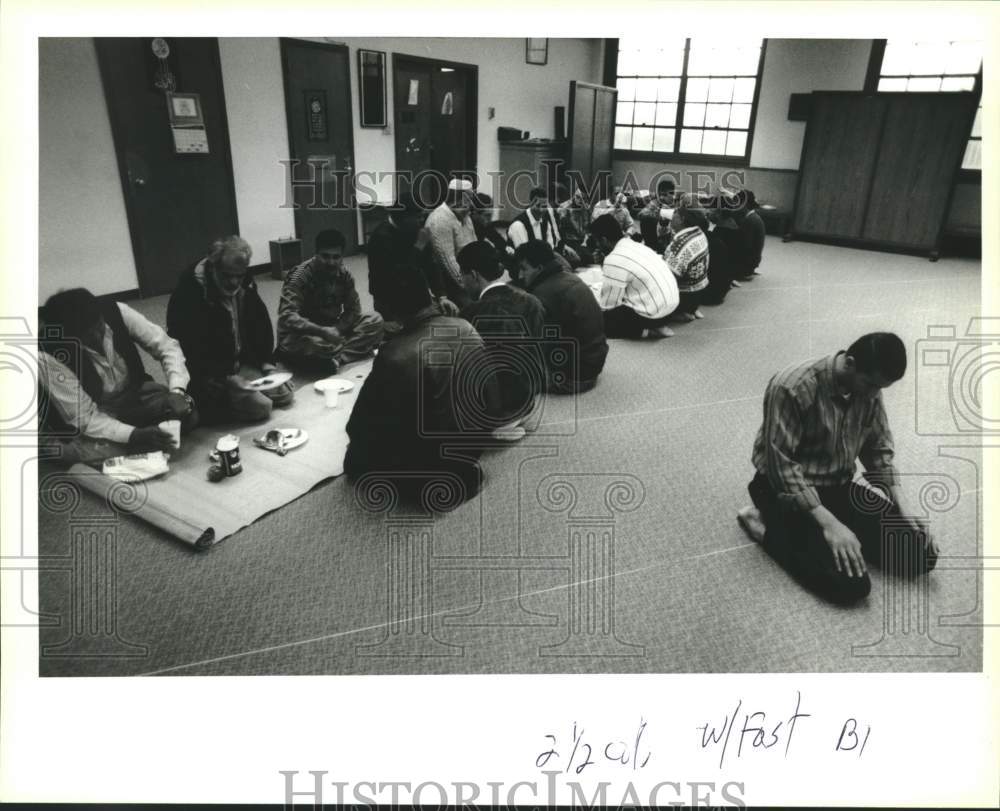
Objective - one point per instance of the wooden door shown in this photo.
(838, 161)
(412, 114)
(923, 141)
(320, 139)
(591, 133)
(435, 114)
(176, 204)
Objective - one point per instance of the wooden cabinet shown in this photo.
(523, 165)
(878, 170)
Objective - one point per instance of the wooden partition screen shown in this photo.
(879, 170)
(591, 129)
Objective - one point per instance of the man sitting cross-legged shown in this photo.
(224, 328)
(639, 291)
(320, 324)
(97, 389)
(510, 322)
(574, 358)
(421, 415)
(810, 515)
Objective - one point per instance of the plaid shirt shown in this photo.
(812, 435)
(312, 294)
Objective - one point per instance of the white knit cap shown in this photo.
(460, 184)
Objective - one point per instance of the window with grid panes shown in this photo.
(939, 66)
(686, 96)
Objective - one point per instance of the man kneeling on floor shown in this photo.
(810, 516)
(225, 331)
(98, 390)
(320, 325)
(418, 421)
(510, 322)
(639, 292)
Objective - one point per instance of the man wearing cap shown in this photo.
(398, 249)
(510, 322)
(639, 291)
(320, 324)
(450, 228)
(538, 222)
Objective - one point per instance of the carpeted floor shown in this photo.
(642, 476)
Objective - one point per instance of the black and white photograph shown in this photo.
(580, 383)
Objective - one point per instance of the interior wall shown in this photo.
(523, 96)
(258, 139)
(83, 236)
(800, 66)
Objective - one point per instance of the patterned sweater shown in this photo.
(687, 258)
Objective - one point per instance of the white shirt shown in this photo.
(75, 406)
(637, 277)
(448, 236)
(517, 234)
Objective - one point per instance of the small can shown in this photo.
(229, 454)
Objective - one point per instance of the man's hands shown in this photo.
(447, 306)
(844, 544)
(423, 239)
(179, 404)
(904, 510)
(332, 335)
(570, 255)
(150, 438)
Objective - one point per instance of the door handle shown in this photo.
(139, 181)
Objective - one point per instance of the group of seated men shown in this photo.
(513, 292)
(472, 330)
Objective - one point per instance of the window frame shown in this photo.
(704, 158)
(871, 86)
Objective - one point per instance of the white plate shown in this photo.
(339, 383)
(294, 437)
(268, 382)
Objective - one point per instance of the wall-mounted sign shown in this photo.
(190, 140)
(184, 110)
(316, 121)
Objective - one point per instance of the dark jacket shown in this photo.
(418, 399)
(488, 232)
(752, 231)
(571, 307)
(71, 355)
(724, 245)
(200, 322)
(391, 253)
(510, 322)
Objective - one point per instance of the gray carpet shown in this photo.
(306, 590)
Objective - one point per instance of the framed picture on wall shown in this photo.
(536, 51)
(372, 96)
(185, 109)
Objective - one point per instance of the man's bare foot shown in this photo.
(659, 332)
(699, 314)
(753, 525)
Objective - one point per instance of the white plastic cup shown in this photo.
(172, 427)
(330, 395)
